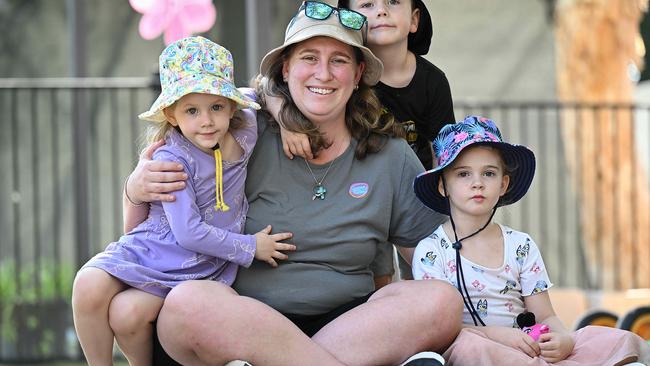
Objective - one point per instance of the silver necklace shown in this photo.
(319, 190)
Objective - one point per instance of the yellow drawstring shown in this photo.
(220, 205)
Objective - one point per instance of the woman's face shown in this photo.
(322, 73)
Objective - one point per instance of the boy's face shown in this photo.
(475, 181)
(389, 21)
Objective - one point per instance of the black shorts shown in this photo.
(309, 324)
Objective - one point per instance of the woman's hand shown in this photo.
(555, 347)
(513, 337)
(295, 144)
(269, 246)
(154, 180)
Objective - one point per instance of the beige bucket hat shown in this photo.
(302, 28)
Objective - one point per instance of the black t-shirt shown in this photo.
(422, 107)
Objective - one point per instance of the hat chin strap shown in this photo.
(457, 245)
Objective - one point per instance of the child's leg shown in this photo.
(92, 293)
(131, 315)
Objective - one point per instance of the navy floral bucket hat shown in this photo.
(452, 139)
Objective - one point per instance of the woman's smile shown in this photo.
(321, 91)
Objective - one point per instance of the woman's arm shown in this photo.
(406, 253)
(150, 181)
(133, 212)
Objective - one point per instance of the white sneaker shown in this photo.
(424, 359)
(238, 363)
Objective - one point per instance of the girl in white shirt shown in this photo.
(499, 271)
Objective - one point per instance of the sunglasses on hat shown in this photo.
(321, 11)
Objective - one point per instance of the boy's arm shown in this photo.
(292, 143)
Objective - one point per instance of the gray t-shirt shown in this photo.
(368, 202)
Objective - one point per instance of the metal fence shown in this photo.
(68, 144)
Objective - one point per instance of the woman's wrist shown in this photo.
(126, 193)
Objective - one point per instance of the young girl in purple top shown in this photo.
(120, 291)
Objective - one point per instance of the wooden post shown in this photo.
(597, 41)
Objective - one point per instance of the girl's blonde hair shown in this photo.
(157, 131)
(365, 119)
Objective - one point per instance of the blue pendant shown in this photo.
(319, 192)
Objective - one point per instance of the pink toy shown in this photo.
(536, 330)
(526, 322)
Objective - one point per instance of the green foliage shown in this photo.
(54, 282)
(21, 287)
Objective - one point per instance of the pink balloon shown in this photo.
(175, 31)
(198, 18)
(176, 18)
(141, 6)
(153, 24)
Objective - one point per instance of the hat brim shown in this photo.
(372, 71)
(196, 84)
(426, 184)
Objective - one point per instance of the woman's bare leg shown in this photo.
(398, 321)
(92, 292)
(131, 316)
(208, 323)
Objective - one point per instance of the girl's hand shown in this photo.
(153, 180)
(295, 144)
(269, 246)
(515, 338)
(555, 347)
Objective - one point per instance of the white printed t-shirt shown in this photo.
(497, 293)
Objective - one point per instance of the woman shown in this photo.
(319, 306)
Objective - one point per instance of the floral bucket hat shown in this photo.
(195, 65)
(449, 143)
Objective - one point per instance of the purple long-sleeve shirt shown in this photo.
(188, 238)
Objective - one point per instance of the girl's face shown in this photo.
(203, 118)
(475, 181)
(389, 21)
(322, 73)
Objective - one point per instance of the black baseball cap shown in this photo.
(420, 41)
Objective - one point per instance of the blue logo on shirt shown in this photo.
(359, 190)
